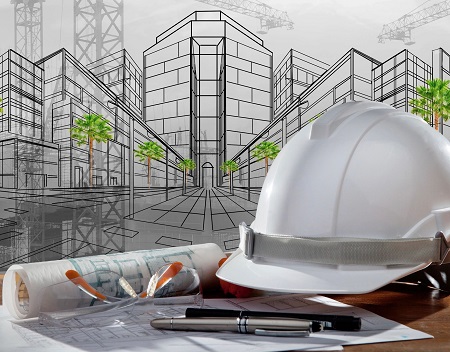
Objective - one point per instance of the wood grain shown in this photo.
(418, 307)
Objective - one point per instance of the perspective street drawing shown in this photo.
(102, 151)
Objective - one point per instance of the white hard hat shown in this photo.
(356, 199)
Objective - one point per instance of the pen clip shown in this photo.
(282, 333)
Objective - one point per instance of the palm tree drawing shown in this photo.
(229, 167)
(264, 151)
(89, 129)
(186, 165)
(146, 152)
(433, 99)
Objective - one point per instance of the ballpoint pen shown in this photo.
(329, 321)
(244, 325)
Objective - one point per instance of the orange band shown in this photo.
(172, 270)
(75, 277)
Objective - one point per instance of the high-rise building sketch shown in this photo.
(207, 89)
(217, 80)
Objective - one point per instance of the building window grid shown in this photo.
(395, 80)
(155, 67)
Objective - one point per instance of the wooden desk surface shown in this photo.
(419, 308)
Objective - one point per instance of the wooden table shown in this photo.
(420, 308)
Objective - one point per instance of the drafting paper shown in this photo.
(140, 264)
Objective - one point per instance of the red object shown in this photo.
(232, 289)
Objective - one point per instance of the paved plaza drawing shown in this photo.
(207, 90)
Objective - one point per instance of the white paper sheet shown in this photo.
(139, 336)
(30, 336)
(374, 328)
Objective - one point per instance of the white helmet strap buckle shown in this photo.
(344, 251)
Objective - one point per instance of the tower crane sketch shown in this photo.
(267, 15)
(28, 33)
(401, 28)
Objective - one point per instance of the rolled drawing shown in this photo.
(26, 286)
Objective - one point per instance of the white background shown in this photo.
(324, 29)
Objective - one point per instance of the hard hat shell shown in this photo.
(362, 170)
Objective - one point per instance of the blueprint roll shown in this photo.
(29, 287)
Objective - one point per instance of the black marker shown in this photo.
(329, 322)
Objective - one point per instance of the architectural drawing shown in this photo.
(208, 89)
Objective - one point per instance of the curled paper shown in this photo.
(27, 287)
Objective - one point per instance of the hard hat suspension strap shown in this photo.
(344, 251)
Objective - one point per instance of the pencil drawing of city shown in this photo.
(108, 149)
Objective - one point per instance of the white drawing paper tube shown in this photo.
(26, 286)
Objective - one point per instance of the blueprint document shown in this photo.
(138, 335)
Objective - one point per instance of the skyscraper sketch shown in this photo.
(206, 88)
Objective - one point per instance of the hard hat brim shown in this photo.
(309, 278)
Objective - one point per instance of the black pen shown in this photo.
(286, 327)
(329, 322)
